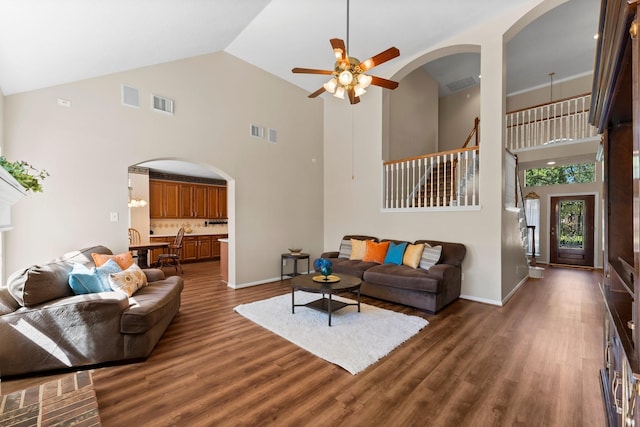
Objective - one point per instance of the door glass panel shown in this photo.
(571, 218)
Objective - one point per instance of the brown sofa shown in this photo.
(44, 326)
(429, 290)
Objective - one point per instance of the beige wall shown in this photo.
(413, 116)
(542, 95)
(274, 189)
(353, 172)
(457, 113)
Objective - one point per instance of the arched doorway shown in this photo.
(209, 190)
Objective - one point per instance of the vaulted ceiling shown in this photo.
(45, 43)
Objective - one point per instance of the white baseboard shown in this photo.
(482, 300)
(514, 290)
(261, 282)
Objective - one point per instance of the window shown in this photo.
(532, 213)
(567, 174)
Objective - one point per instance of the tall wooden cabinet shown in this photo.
(172, 199)
(615, 111)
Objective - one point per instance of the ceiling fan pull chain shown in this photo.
(348, 28)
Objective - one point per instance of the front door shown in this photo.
(571, 232)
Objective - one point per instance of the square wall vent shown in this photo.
(130, 96)
(273, 136)
(162, 104)
(461, 84)
(256, 131)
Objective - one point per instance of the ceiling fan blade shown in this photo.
(387, 84)
(380, 58)
(353, 99)
(339, 44)
(310, 71)
(318, 92)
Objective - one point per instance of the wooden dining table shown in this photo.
(143, 250)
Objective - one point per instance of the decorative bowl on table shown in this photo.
(295, 251)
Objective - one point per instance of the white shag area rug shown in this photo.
(353, 341)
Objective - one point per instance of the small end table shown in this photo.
(295, 258)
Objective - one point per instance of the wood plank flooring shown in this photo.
(533, 362)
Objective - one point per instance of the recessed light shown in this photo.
(596, 36)
(551, 163)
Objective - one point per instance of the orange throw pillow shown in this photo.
(124, 260)
(376, 252)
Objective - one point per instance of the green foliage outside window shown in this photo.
(567, 174)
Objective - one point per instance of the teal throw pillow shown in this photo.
(85, 280)
(395, 253)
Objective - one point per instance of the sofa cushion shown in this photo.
(452, 253)
(41, 283)
(430, 256)
(150, 305)
(128, 281)
(124, 259)
(84, 280)
(413, 255)
(403, 277)
(376, 251)
(395, 253)
(8, 304)
(358, 249)
(351, 267)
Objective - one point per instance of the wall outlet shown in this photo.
(114, 216)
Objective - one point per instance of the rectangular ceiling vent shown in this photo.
(461, 84)
(162, 104)
(256, 131)
(130, 96)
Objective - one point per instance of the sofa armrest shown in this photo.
(331, 254)
(154, 274)
(447, 272)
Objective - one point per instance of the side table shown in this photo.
(295, 258)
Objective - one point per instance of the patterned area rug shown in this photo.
(68, 401)
(354, 340)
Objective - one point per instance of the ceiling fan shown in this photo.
(348, 72)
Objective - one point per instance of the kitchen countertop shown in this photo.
(189, 234)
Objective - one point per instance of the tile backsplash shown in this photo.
(168, 227)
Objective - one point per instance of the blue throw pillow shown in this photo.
(395, 253)
(86, 281)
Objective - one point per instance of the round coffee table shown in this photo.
(306, 283)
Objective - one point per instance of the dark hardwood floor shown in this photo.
(533, 362)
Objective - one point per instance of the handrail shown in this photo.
(426, 156)
(476, 122)
(548, 103)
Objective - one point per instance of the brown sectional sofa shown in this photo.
(44, 326)
(430, 290)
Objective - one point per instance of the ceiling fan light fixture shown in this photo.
(331, 85)
(359, 90)
(339, 92)
(338, 53)
(364, 80)
(345, 78)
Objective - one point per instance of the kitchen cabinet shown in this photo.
(216, 201)
(194, 248)
(164, 199)
(189, 249)
(193, 201)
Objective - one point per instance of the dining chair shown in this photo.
(134, 239)
(173, 253)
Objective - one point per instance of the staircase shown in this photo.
(437, 188)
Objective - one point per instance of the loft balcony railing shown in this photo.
(566, 120)
(439, 180)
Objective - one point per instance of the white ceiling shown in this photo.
(45, 43)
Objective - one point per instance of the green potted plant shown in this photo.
(26, 174)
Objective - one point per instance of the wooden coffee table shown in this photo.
(306, 283)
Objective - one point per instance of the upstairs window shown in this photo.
(566, 174)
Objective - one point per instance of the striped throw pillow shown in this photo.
(345, 249)
(430, 256)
